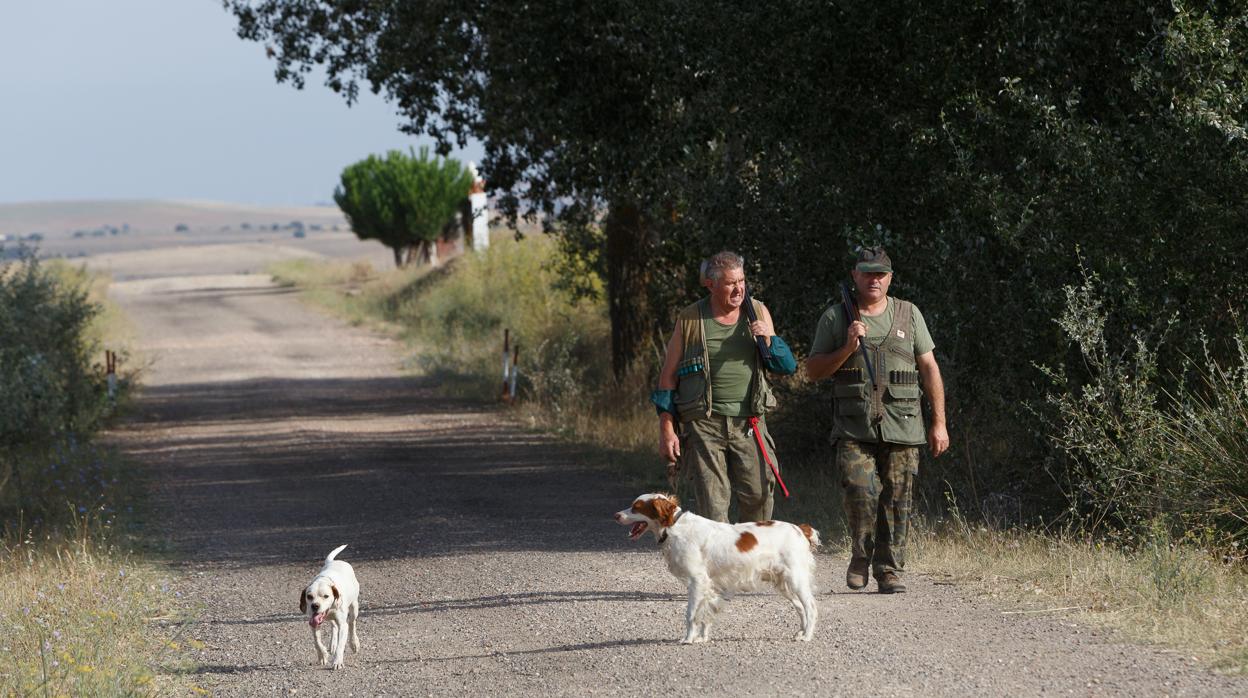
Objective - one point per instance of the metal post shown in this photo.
(506, 362)
(515, 371)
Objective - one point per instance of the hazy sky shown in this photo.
(107, 99)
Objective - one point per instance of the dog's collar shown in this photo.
(663, 537)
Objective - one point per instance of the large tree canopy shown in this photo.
(994, 147)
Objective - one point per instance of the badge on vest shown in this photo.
(901, 334)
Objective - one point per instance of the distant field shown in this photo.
(103, 229)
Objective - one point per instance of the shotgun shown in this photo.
(764, 352)
(851, 315)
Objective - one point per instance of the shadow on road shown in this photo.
(271, 471)
(536, 598)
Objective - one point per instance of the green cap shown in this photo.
(873, 259)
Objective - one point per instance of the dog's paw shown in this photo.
(324, 660)
(338, 664)
(355, 644)
(801, 636)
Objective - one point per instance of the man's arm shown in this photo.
(822, 365)
(934, 388)
(669, 443)
(782, 360)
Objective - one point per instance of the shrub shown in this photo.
(1146, 448)
(52, 395)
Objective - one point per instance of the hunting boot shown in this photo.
(890, 583)
(856, 575)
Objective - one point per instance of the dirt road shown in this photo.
(486, 556)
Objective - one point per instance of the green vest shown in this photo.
(693, 373)
(892, 403)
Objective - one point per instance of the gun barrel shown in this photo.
(764, 351)
(851, 314)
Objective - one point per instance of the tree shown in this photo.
(403, 200)
(990, 145)
(577, 105)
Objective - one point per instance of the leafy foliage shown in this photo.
(50, 390)
(989, 146)
(402, 200)
(1140, 457)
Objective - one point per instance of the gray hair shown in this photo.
(720, 262)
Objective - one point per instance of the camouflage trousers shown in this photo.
(877, 482)
(720, 457)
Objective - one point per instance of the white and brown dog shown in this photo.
(333, 595)
(715, 559)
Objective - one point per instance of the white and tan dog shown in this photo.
(715, 559)
(333, 595)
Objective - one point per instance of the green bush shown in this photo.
(1146, 448)
(53, 396)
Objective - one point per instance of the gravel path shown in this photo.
(486, 556)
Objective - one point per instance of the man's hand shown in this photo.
(853, 336)
(762, 327)
(938, 439)
(669, 444)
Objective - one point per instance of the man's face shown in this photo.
(728, 291)
(872, 285)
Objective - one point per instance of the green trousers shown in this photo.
(720, 457)
(877, 482)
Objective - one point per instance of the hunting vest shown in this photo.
(892, 404)
(693, 373)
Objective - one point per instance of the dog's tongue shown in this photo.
(637, 529)
(316, 620)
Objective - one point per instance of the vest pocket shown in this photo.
(849, 399)
(904, 398)
(690, 393)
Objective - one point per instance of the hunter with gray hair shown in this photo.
(713, 393)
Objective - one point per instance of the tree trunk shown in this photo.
(398, 256)
(629, 244)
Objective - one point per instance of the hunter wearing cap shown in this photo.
(877, 422)
(712, 387)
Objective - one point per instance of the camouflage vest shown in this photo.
(892, 403)
(693, 373)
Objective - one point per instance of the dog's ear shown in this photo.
(337, 596)
(666, 508)
(303, 600)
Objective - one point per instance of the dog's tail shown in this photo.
(811, 535)
(330, 557)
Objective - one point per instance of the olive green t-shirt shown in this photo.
(730, 349)
(830, 334)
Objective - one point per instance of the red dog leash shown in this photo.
(758, 436)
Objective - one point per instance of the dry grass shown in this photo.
(81, 619)
(1162, 592)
